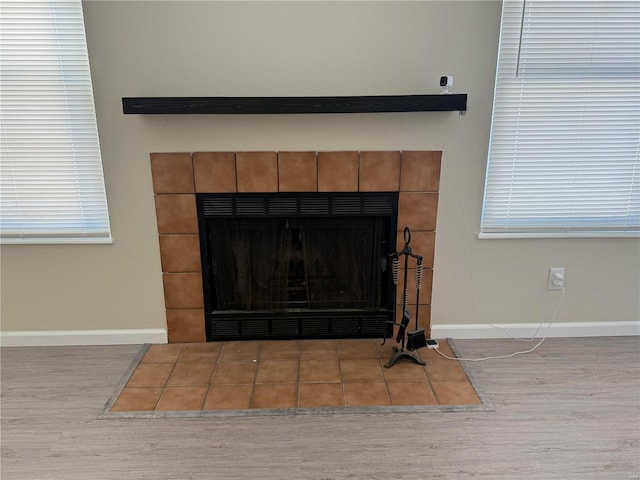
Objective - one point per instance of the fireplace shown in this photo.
(292, 189)
(308, 265)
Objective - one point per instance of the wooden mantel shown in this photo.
(293, 105)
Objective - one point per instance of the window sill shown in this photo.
(514, 235)
(56, 241)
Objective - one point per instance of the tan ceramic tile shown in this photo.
(424, 319)
(366, 348)
(315, 395)
(386, 351)
(162, 353)
(183, 290)
(443, 370)
(443, 348)
(402, 361)
(180, 253)
(201, 352)
(455, 393)
(364, 370)
(277, 371)
(203, 347)
(379, 171)
(182, 398)
(425, 289)
(234, 373)
(422, 243)
(172, 173)
(238, 351)
(404, 372)
(283, 395)
(319, 371)
(411, 394)
(418, 211)
(365, 394)
(337, 171)
(215, 172)
(318, 349)
(137, 399)
(176, 214)
(185, 325)
(228, 397)
(257, 171)
(391, 341)
(191, 374)
(420, 171)
(424, 315)
(279, 350)
(150, 375)
(297, 172)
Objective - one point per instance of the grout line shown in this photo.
(204, 399)
(235, 169)
(400, 170)
(358, 169)
(298, 352)
(255, 375)
(193, 172)
(213, 373)
(384, 379)
(278, 171)
(166, 382)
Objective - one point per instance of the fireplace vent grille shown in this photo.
(218, 206)
(294, 205)
(377, 206)
(282, 206)
(336, 326)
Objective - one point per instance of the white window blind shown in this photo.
(51, 180)
(565, 134)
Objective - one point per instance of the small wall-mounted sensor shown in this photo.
(446, 82)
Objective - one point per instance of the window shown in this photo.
(565, 134)
(51, 182)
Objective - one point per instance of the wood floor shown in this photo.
(569, 410)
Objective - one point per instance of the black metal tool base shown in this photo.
(402, 354)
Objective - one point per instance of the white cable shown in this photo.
(553, 317)
(493, 358)
(535, 334)
(466, 254)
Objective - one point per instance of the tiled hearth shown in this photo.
(177, 177)
(290, 374)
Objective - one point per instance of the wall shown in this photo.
(175, 48)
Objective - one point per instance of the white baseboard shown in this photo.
(526, 330)
(461, 331)
(82, 337)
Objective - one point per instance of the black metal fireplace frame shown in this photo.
(343, 323)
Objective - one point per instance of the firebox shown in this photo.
(297, 265)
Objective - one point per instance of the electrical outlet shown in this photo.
(556, 278)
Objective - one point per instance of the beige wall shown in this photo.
(174, 48)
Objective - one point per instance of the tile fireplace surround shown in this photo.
(177, 177)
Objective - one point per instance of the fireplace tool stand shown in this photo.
(416, 338)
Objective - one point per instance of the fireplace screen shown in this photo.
(286, 266)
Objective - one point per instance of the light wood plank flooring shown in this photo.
(570, 410)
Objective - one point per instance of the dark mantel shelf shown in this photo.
(292, 105)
